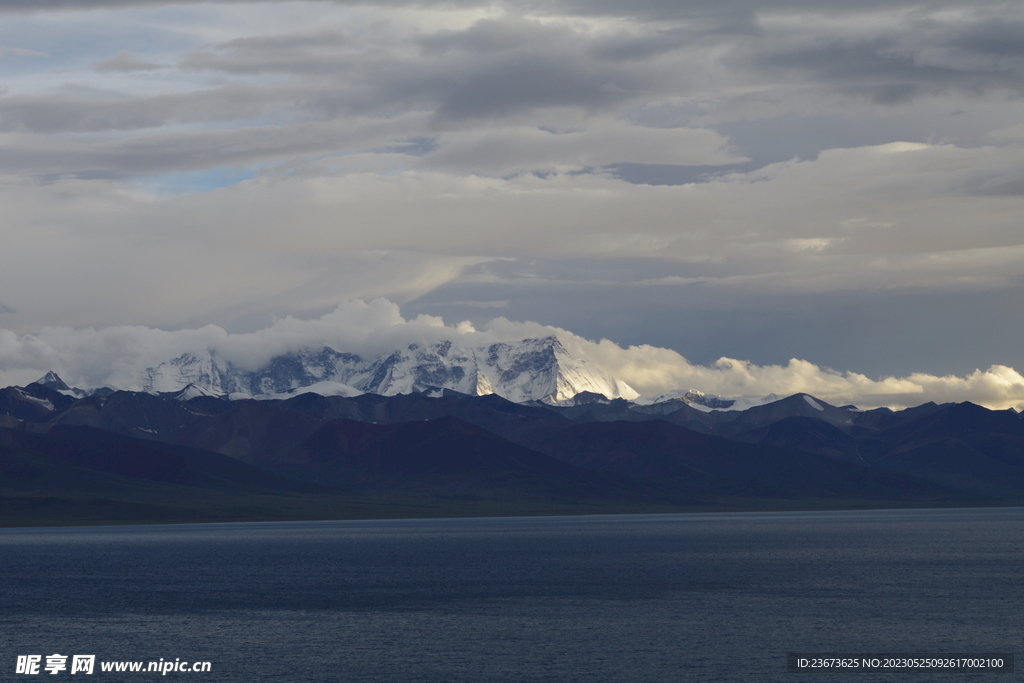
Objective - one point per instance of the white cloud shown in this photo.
(653, 371)
(117, 356)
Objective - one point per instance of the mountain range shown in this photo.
(200, 452)
(530, 369)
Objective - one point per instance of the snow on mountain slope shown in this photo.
(527, 370)
(708, 402)
(38, 401)
(812, 403)
(191, 391)
(541, 369)
(51, 380)
(325, 388)
(200, 370)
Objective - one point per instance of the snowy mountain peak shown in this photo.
(708, 402)
(693, 397)
(526, 370)
(52, 380)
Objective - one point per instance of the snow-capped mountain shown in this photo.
(705, 402)
(52, 380)
(527, 370)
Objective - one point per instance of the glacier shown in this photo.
(538, 369)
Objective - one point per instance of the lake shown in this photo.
(625, 598)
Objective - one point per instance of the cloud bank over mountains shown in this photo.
(761, 179)
(117, 356)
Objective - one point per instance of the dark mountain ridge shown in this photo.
(445, 445)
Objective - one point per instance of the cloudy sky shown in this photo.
(829, 195)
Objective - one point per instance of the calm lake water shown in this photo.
(633, 598)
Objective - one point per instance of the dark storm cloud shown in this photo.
(497, 68)
(640, 47)
(500, 68)
(997, 37)
(489, 69)
(881, 69)
(532, 82)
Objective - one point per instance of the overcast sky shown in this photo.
(839, 183)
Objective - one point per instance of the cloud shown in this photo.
(118, 355)
(598, 142)
(652, 370)
(125, 62)
(196, 150)
(20, 52)
(648, 9)
(495, 151)
(289, 155)
(492, 69)
(301, 237)
(68, 112)
(511, 72)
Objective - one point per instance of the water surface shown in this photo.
(631, 598)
